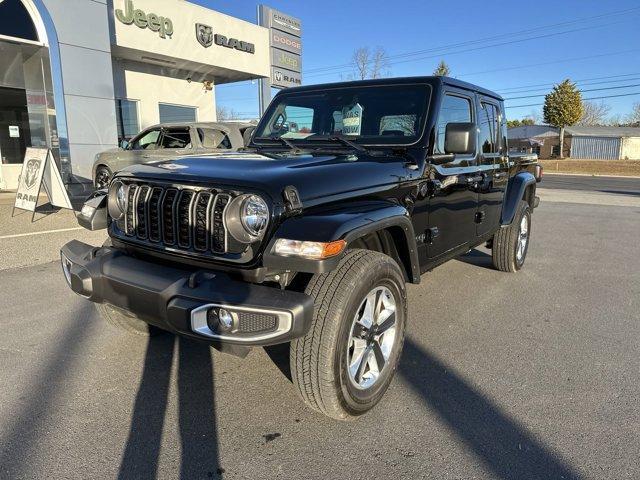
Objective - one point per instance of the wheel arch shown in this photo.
(522, 186)
(356, 224)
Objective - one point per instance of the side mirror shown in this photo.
(460, 138)
(124, 144)
(93, 215)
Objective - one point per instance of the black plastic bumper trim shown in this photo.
(160, 294)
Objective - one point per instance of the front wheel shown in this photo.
(510, 244)
(103, 177)
(344, 364)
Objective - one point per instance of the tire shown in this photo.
(102, 177)
(320, 360)
(508, 251)
(128, 323)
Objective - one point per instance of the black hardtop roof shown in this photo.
(432, 80)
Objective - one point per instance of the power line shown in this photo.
(483, 47)
(510, 89)
(562, 60)
(484, 39)
(591, 98)
(581, 91)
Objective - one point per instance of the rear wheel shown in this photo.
(103, 177)
(128, 323)
(510, 244)
(344, 364)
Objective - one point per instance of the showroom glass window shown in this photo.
(127, 119)
(176, 113)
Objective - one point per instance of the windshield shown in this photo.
(376, 115)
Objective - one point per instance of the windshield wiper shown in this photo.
(345, 141)
(284, 141)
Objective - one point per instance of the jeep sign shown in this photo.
(282, 59)
(155, 23)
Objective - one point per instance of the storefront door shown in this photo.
(15, 135)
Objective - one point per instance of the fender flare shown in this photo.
(516, 187)
(348, 222)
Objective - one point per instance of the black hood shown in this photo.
(318, 177)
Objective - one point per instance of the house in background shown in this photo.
(600, 143)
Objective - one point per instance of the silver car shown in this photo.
(170, 140)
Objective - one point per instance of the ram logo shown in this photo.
(204, 34)
(31, 175)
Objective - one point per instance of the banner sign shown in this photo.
(40, 169)
(352, 119)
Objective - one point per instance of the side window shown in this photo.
(213, 138)
(147, 140)
(488, 123)
(175, 138)
(454, 109)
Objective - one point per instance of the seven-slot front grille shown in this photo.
(182, 217)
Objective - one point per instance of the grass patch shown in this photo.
(629, 168)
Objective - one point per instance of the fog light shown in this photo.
(219, 319)
(225, 319)
(66, 267)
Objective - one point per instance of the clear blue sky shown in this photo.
(570, 44)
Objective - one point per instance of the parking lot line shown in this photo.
(43, 232)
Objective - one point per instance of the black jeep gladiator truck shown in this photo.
(346, 192)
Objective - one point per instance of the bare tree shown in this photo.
(615, 120)
(370, 64)
(633, 119)
(223, 114)
(594, 113)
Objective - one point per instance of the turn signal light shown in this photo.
(310, 250)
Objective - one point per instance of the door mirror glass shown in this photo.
(124, 144)
(460, 138)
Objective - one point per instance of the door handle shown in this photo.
(499, 175)
(475, 179)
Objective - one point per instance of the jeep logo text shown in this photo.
(155, 23)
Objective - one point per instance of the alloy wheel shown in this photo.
(372, 338)
(523, 238)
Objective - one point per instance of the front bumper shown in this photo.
(177, 298)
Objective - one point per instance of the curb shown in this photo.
(588, 175)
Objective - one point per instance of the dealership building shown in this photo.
(78, 76)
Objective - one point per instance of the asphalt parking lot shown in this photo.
(506, 376)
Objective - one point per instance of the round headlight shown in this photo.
(117, 199)
(254, 215)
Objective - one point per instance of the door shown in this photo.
(453, 207)
(138, 151)
(493, 164)
(15, 135)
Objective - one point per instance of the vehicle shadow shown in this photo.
(196, 416)
(477, 258)
(621, 192)
(504, 446)
(21, 434)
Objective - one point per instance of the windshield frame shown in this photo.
(322, 140)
